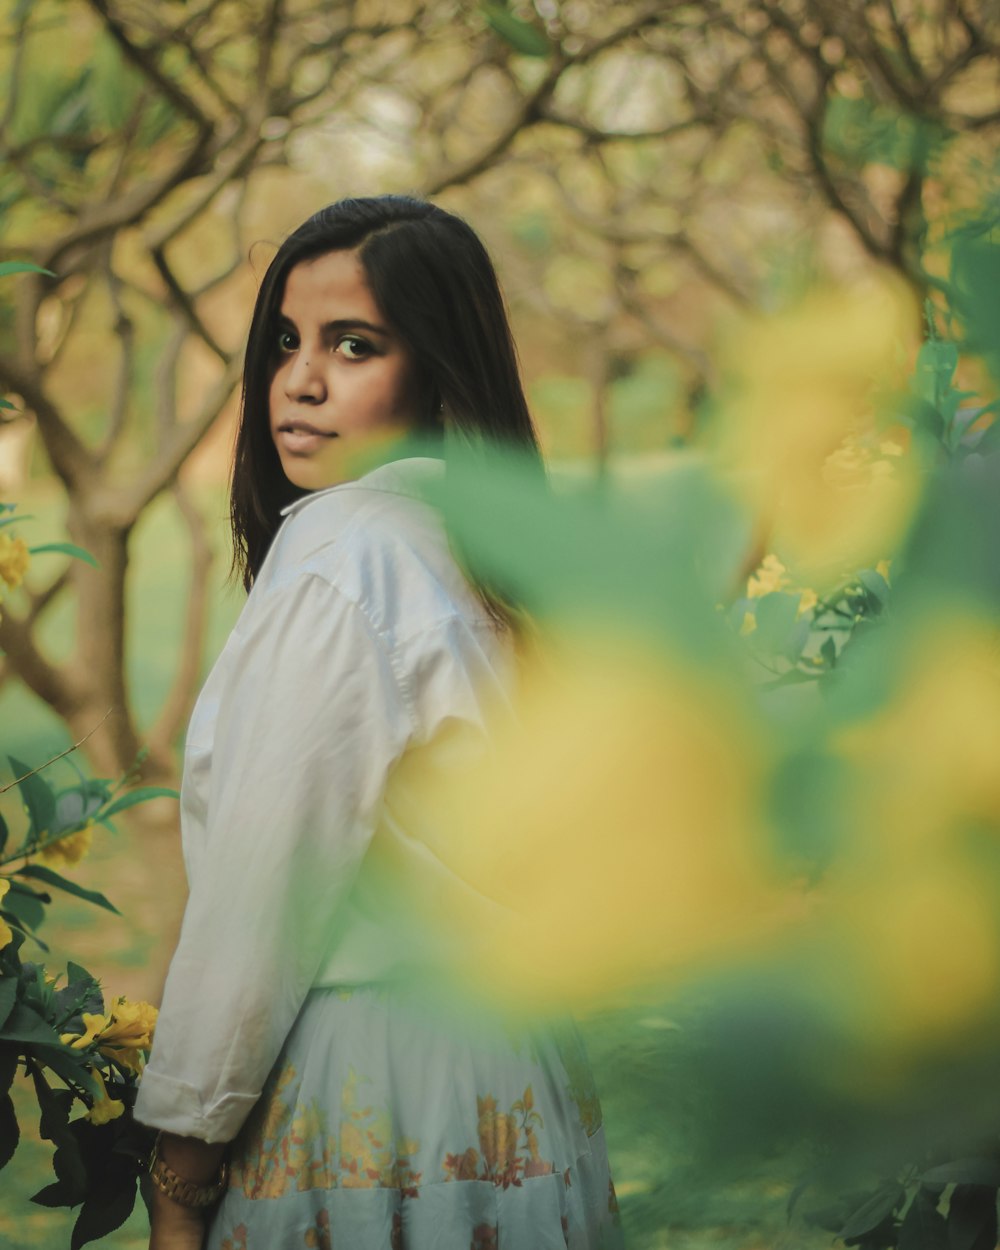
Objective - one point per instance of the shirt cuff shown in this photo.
(176, 1107)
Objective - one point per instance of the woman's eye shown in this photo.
(287, 341)
(353, 348)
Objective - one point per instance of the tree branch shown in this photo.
(185, 305)
(125, 332)
(53, 685)
(108, 217)
(146, 62)
(71, 459)
(182, 441)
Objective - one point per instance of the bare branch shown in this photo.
(146, 62)
(110, 216)
(235, 159)
(185, 304)
(182, 441)
(125, 332)
(721, 280)
(532, 107)
(633, 304)
(267, 39)
(71, 459)
(56, 686)
(31, 773)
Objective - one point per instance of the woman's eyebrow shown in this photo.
(354, 323)
(339, 326)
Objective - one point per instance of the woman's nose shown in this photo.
(304, 380)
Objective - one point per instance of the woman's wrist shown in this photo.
(191, 1158)
(187, 1173)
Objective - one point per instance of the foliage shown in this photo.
(57, 1027)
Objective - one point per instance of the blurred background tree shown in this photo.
(636, 168)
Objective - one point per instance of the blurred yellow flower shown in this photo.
(14, 559)
(104, 1108)
(930, 755)
(807, 601)
(6, 933)
(914, 940)
(771, 576)
(607, 837)
(800, 432)
(68, 850)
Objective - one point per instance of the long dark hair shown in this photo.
(434, 283)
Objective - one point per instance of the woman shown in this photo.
(356, 1110)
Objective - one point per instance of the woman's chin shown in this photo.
(312, 473)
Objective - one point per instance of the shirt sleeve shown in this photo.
(309, 724)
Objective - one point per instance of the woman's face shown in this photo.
(344, 382)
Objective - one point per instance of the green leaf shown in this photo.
(38, 798)
(76, 973)
(8, 996)
(522, 36)
(105, 1211)
(14, 520)
(67, 549)
(972, 1218)
(22, 266)
(10, 1134)
(4, 833)
(139, 796)
(777, 621)
(68, 1064)
(828, 651)
(60, 1194)
(25, 906)
(923, 1226)
(39, 873)
(54, 1105)
(971, 1171)
(875, 584)
(25, 1025)
(882, 1203)
(9, 1056)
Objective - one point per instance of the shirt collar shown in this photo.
(409, 476)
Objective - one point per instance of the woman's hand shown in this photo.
(174, 1227)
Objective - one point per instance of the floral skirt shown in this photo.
(391, 1125)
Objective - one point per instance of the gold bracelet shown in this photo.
(177, 1189)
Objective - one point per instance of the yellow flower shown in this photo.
(14, 560)
(69, 850)
(128, 1033)
(121, 1034)
(104, 1108)
(6, 933)
(748, 624)
(92, 1026)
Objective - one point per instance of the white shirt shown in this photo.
(360, 640)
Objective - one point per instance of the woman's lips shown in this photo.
(299, 438)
